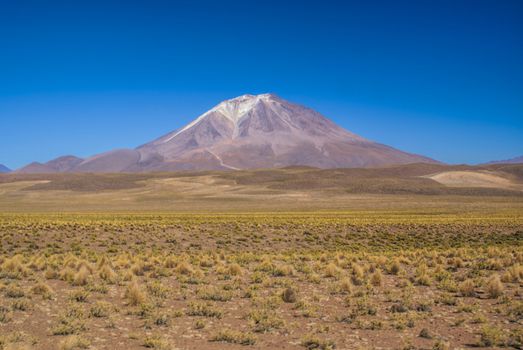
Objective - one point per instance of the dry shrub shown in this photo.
(494, 287)
(67, 274)
(135, 294)
(513, 275)
(358, 274)
(395, 267)
(345, 286)
(311, 341)
(42, 289)
(169, 262)
(81, 277)
(376, 278)
(13, 267)
(466, 288)
(332, 270)
(74, 342)
(289, 295)
(107, 274)
(235, 270)
(184, 268)
(234, 337)
(156, 342)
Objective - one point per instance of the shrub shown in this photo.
(135, 294)
(234, 337)
(42, 289)
(101, 309)
(14, 291)
(203, 309)
(156, 342)
(494, 287)
(332, 270)
(265, 321)
(184, 268)
(107, 274)
(289, 295)
(466, 288)
(491, 336)
(235, 270)
(79, 295)
(74, 342)
(395, 267)
(67, 326)
(313, 342)
(376, 278)
(424, 333)
(344, 286)
(81, 277)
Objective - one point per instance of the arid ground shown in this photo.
(415, 257)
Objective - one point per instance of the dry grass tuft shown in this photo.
(135, 294)
(494, 287)
(289, 295)
(74, 342)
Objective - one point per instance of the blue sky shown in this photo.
(440, 78)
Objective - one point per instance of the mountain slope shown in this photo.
(4, 169)
(247, 132)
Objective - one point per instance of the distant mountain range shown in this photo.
(4, 169)
(247, 132)
(516, 160)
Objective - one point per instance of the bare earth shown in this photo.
(475, 179)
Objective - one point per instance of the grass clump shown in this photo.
(203, 309)
(156, 342)
(234, 337)
(494, 287)
(312, 342)
(135, 294)
(74, 342)
(289, 295)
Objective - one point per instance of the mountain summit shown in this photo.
(252, 131)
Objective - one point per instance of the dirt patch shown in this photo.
(474, 179)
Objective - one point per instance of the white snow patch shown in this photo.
(234, 110)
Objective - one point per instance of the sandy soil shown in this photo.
(474, 179)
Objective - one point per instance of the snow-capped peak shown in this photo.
(234, 110)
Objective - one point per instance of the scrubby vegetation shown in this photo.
(304, 281)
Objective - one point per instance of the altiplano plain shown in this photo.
(383, 258)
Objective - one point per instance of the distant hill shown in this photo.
(59, 165)
(4, 169)
(516, 160)
(246, 132)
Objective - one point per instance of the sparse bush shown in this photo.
(234, 337)
(203, 309)
(156, 342)
(74, 342)
(289, 295)
(466, 288)
(376, 278)
(42, 289)
(101, 309)
(494, 287)
(491, 336)
(313, 342)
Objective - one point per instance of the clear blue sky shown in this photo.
(443, 78)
